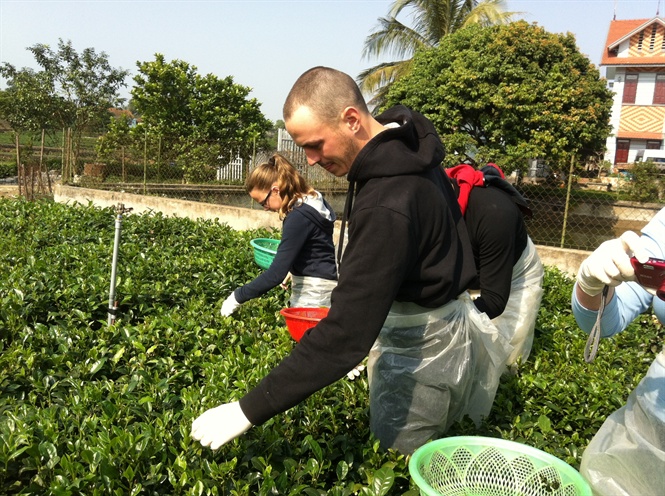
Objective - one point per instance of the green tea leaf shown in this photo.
(96, 367)
(382, 481)
(544, 424)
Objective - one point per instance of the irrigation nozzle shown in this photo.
(120, 209)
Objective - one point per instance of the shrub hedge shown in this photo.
(87, 408)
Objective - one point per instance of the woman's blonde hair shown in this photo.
(292, 186)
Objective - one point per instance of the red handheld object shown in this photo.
(651, 274)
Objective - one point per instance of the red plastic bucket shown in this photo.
(299, 319)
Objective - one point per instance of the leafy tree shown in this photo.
(162, 94)
(432, 21)
(197, 118)
(85, 81)
(510, 93)
(72, 90)
(119, 144)
(29, 106)
(28, 103)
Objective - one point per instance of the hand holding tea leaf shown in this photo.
(229, 306)
(219, 425)
(355, 371)
(287, 280)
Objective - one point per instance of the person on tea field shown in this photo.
(509, 271)
(401, 295)
(626, 457)
(306, 250)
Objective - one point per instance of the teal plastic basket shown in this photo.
(483, 466)
(265, 250)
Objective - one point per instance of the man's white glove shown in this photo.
(219, 425)
(610, 263)
(355, 372)
(230, 305)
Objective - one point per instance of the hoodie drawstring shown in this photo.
(348, 203)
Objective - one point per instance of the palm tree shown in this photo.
(432, 20)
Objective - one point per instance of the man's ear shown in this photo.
(351, 119)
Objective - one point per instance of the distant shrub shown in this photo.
(645, 185)
(7, 169)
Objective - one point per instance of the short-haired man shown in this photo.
(407, 260)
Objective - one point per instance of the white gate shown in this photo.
(233, 171)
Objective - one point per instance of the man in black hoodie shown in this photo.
(408, 255)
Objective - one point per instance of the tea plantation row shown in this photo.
(87, 408)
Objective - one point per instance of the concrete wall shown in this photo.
(245, 218)
(237, 218)
(564, 259)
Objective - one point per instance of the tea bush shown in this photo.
(87, 408)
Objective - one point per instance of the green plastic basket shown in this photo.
(483, 466)
(264, 251)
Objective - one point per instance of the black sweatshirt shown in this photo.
(306, 249)
(407, 242)
(498, 236)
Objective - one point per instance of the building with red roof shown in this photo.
(634, 61)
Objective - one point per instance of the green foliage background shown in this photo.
(645, 184)
(509, 93)
(90, 409)
(186, 118)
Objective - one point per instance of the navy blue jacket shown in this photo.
(306, 249)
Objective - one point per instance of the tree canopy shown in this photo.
(29, 103)
(75, 90)
(432, 20)
(72, 90)
(191, 120)
(509, 93)
(174, 99)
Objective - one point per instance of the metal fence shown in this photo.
(577, 213)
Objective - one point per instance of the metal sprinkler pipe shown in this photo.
(113, 304)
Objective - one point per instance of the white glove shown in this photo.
(219, 425)
(355, 372)
(285, 283)
(230, 305)
(610, 263)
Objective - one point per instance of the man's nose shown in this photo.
(312, 159)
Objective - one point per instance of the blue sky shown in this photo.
(262, 44)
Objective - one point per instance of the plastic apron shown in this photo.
(430, 367)
(518, 320)
(310, 291)
(626, 457)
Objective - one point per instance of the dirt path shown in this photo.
(7, 191)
